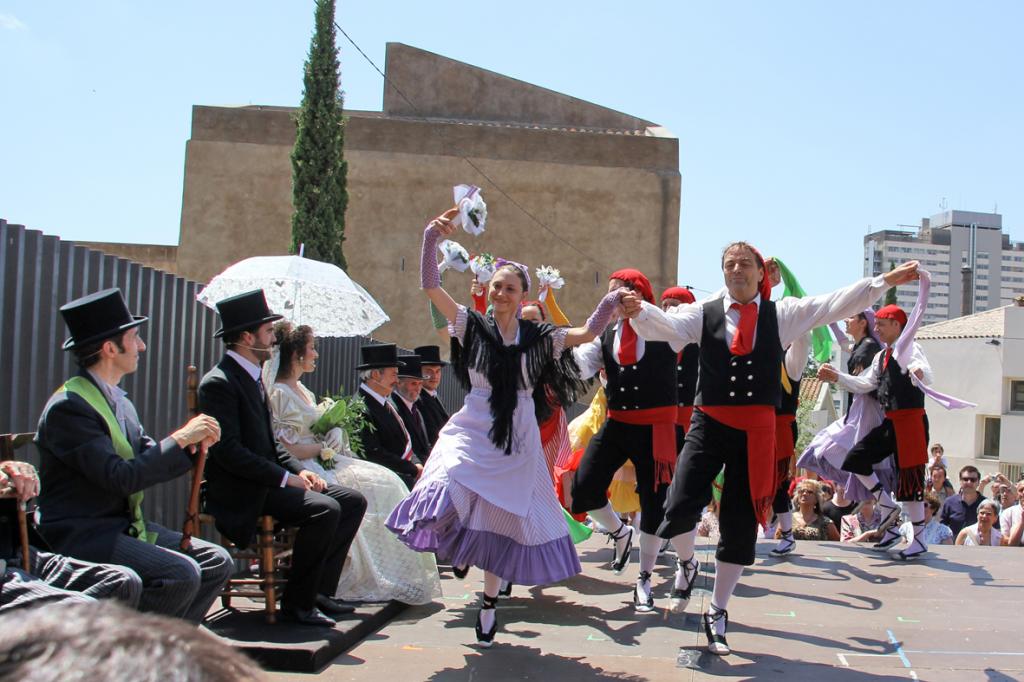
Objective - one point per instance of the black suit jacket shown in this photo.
(386, 443)
(434, 415)
(85, 484)
(420, 444)
(247, 461)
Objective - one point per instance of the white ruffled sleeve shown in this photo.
(457, 329)
(286, 417)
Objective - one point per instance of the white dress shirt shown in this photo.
(683, 324)
(868, 380)
(590, 359)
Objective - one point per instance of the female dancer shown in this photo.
(485, 496)
(379, 568)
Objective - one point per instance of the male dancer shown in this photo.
(641, 427)
(903, 433)
(741, 337)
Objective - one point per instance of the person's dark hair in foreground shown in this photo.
(106, 641)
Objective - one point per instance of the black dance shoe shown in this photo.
(643, 600)
(460, 573)
(680, 597)
(485, 639)
(620, 561)
(716, 642)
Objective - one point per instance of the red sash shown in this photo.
(683, 416)
(758, 422)
(784, 445)
(662, 421)
(911, 449)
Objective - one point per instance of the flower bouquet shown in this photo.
(347, 413)
(548, 278)
(483, 266)
(472, 209)
(455, 257)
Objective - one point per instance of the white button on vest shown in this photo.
(636, 388)
(622, 388)
(732, 394)
(749, 393)
(750, 376)
(750, 362)
(732, 378)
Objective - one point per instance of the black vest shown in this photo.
(726, 379)
(649, 383)
(895, 391)
(788, 402)
(686, 375)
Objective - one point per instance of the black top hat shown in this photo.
(243, 311)
(412, 369)
(378, 355)
(96, 317)
(429, 355)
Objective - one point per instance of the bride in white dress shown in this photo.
(379, 567)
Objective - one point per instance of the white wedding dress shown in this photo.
(379, 567)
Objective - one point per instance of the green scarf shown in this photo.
(821, 341)
(86, 390)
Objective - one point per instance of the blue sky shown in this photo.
(801, 124)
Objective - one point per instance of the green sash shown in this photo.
(91, 394)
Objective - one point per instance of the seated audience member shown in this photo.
(708, 526)
(105, 641)
(962, 509)
(938, 455)
(434, 414)
(385, 438)
(249, 474)
(863, 526)
(96, 460)
(935, 533)
(51, 578)
(809, 523)
(838, 507)
(997, 481)
(983, 533)
(405, 398)
(938, 482)
(1010, 516)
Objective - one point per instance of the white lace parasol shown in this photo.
(304, 291)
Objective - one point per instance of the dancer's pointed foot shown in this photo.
(917, 546)
(686, 576)
(487, 613)
(716, 621)
(643, 600)
(786, 544)
(623, 538)
(890, 538)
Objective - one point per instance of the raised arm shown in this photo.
(865, 382)
(797, 316)
(680, 326)
(597, 322)
(430, 278)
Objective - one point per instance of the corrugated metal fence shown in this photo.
(39, 273)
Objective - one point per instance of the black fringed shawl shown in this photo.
(484, 351)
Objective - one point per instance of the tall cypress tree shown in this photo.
(319, 170)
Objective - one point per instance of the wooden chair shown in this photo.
(270, 555)
(9, 442)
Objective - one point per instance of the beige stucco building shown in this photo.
(573, 176)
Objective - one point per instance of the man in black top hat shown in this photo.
(405, 398)
(96, 461)
(249, 474)
(434, 414)
(388, 443)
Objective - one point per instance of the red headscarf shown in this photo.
(681, 294)
(637, 280)
(764, 287)
(540, 307)
(892, 312)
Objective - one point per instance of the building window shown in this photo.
(990, 445)
(1017, 396)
